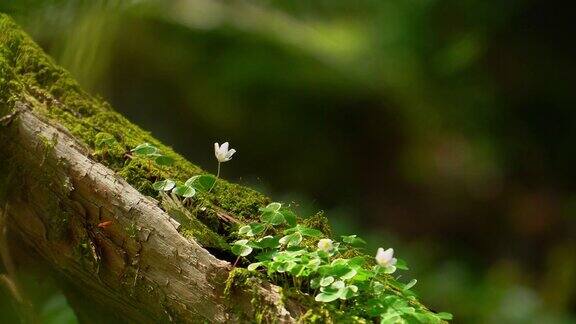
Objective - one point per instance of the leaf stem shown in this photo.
(375, 274)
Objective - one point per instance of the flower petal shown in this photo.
(388, 254)
(224, 148)
(216, 150)
(230, 153)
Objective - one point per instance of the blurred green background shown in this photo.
(445, 129)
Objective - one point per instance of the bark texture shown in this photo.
(139, 266)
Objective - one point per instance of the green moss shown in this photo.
(316, 316)
(205, 237)
(132, 231)
(137, 174)
(236, 278)
(263, 312)
(49, 145)
(248, 281)
(59, 97)
(239, 201)
(319, 222)
(206, 212)
(108, 151)
(193, 228)
(316, 313)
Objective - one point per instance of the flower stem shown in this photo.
(217, 176)
(375, 274)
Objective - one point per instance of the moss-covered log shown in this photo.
(56, 190)
(88, 212)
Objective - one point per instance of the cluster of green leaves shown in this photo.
(151, 153)
(333, 272)
(187, 189)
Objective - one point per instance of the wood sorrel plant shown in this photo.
(291, 252)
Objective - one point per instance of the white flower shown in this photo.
(222, 153)
(386, 258)
(325, 245)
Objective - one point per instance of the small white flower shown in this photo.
(325, 245)
(386, 258)
(222, 153)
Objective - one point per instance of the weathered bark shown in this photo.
(139, 268)
(150, 274)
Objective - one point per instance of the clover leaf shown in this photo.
(163, 160)
(326, 281)
(331, 293)
(202, 182)
(184, 191)
(289, 216)
(268, 242)
(303, 230)
(163, 185)
(401, 264)
(145, 149)
(254, 266)
(349, 292)
(353, 240)
(273, 217)
(271, 207)
(251, 229)
(241, 248)
(293, 239)
(411, 284)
